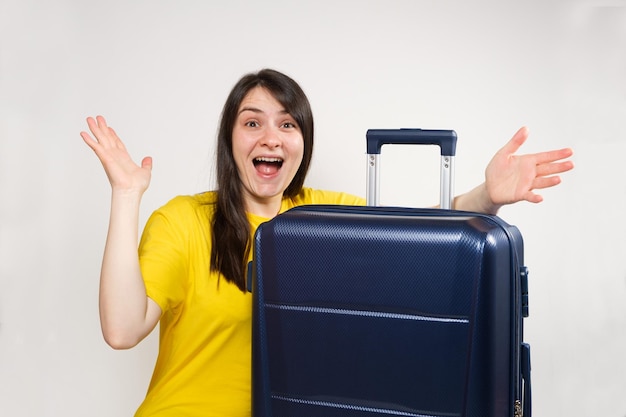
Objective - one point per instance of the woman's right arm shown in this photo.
(127, 315)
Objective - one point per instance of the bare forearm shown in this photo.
(124, 307)
(476, 200)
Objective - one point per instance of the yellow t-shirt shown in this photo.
(204, 364)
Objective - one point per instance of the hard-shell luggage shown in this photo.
(389, 311)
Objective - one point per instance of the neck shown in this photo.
(267, 208)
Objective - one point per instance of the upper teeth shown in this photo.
(266, 159)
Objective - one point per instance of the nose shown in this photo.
(271, 138)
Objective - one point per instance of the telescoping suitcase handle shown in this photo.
(445, 139)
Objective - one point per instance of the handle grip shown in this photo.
(445, 139)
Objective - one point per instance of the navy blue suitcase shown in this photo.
(388, 311)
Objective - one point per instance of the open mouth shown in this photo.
(267, 165)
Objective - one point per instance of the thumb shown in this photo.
(516, 141)
(147, 162)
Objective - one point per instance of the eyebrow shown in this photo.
(257, 110)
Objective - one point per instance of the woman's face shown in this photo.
(268, 148)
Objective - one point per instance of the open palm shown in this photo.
(123, 173)
(511, 178)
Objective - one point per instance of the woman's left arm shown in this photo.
(510, 178)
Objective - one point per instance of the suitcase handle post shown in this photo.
(445, 139)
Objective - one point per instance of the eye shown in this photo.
(252, 123)
(289, 125)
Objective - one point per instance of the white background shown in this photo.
(160, 72)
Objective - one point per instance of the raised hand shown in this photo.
(127, 315)
(123, 173)
(510, 178)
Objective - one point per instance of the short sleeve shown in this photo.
(162, 255)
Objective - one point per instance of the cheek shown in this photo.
(239, 165)
(297, 149)
(240, 150)
(240, 160)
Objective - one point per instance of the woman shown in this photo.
(189, 274)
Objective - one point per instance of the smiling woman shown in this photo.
(268, 148)
(190, 272)
(267, 117)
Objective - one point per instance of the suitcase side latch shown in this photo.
(524, 287)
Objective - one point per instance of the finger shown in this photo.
(533, 198)
(544, 170)
(95, 146)
(516, 141)
(93, 125)
(554, 155)
(546, 182)
(102, 123)
(103, 134)
(96, 128)
(88, 139)
(116, 139)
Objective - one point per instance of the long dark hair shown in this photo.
(231, 243)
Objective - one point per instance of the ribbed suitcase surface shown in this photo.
(362, 311)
